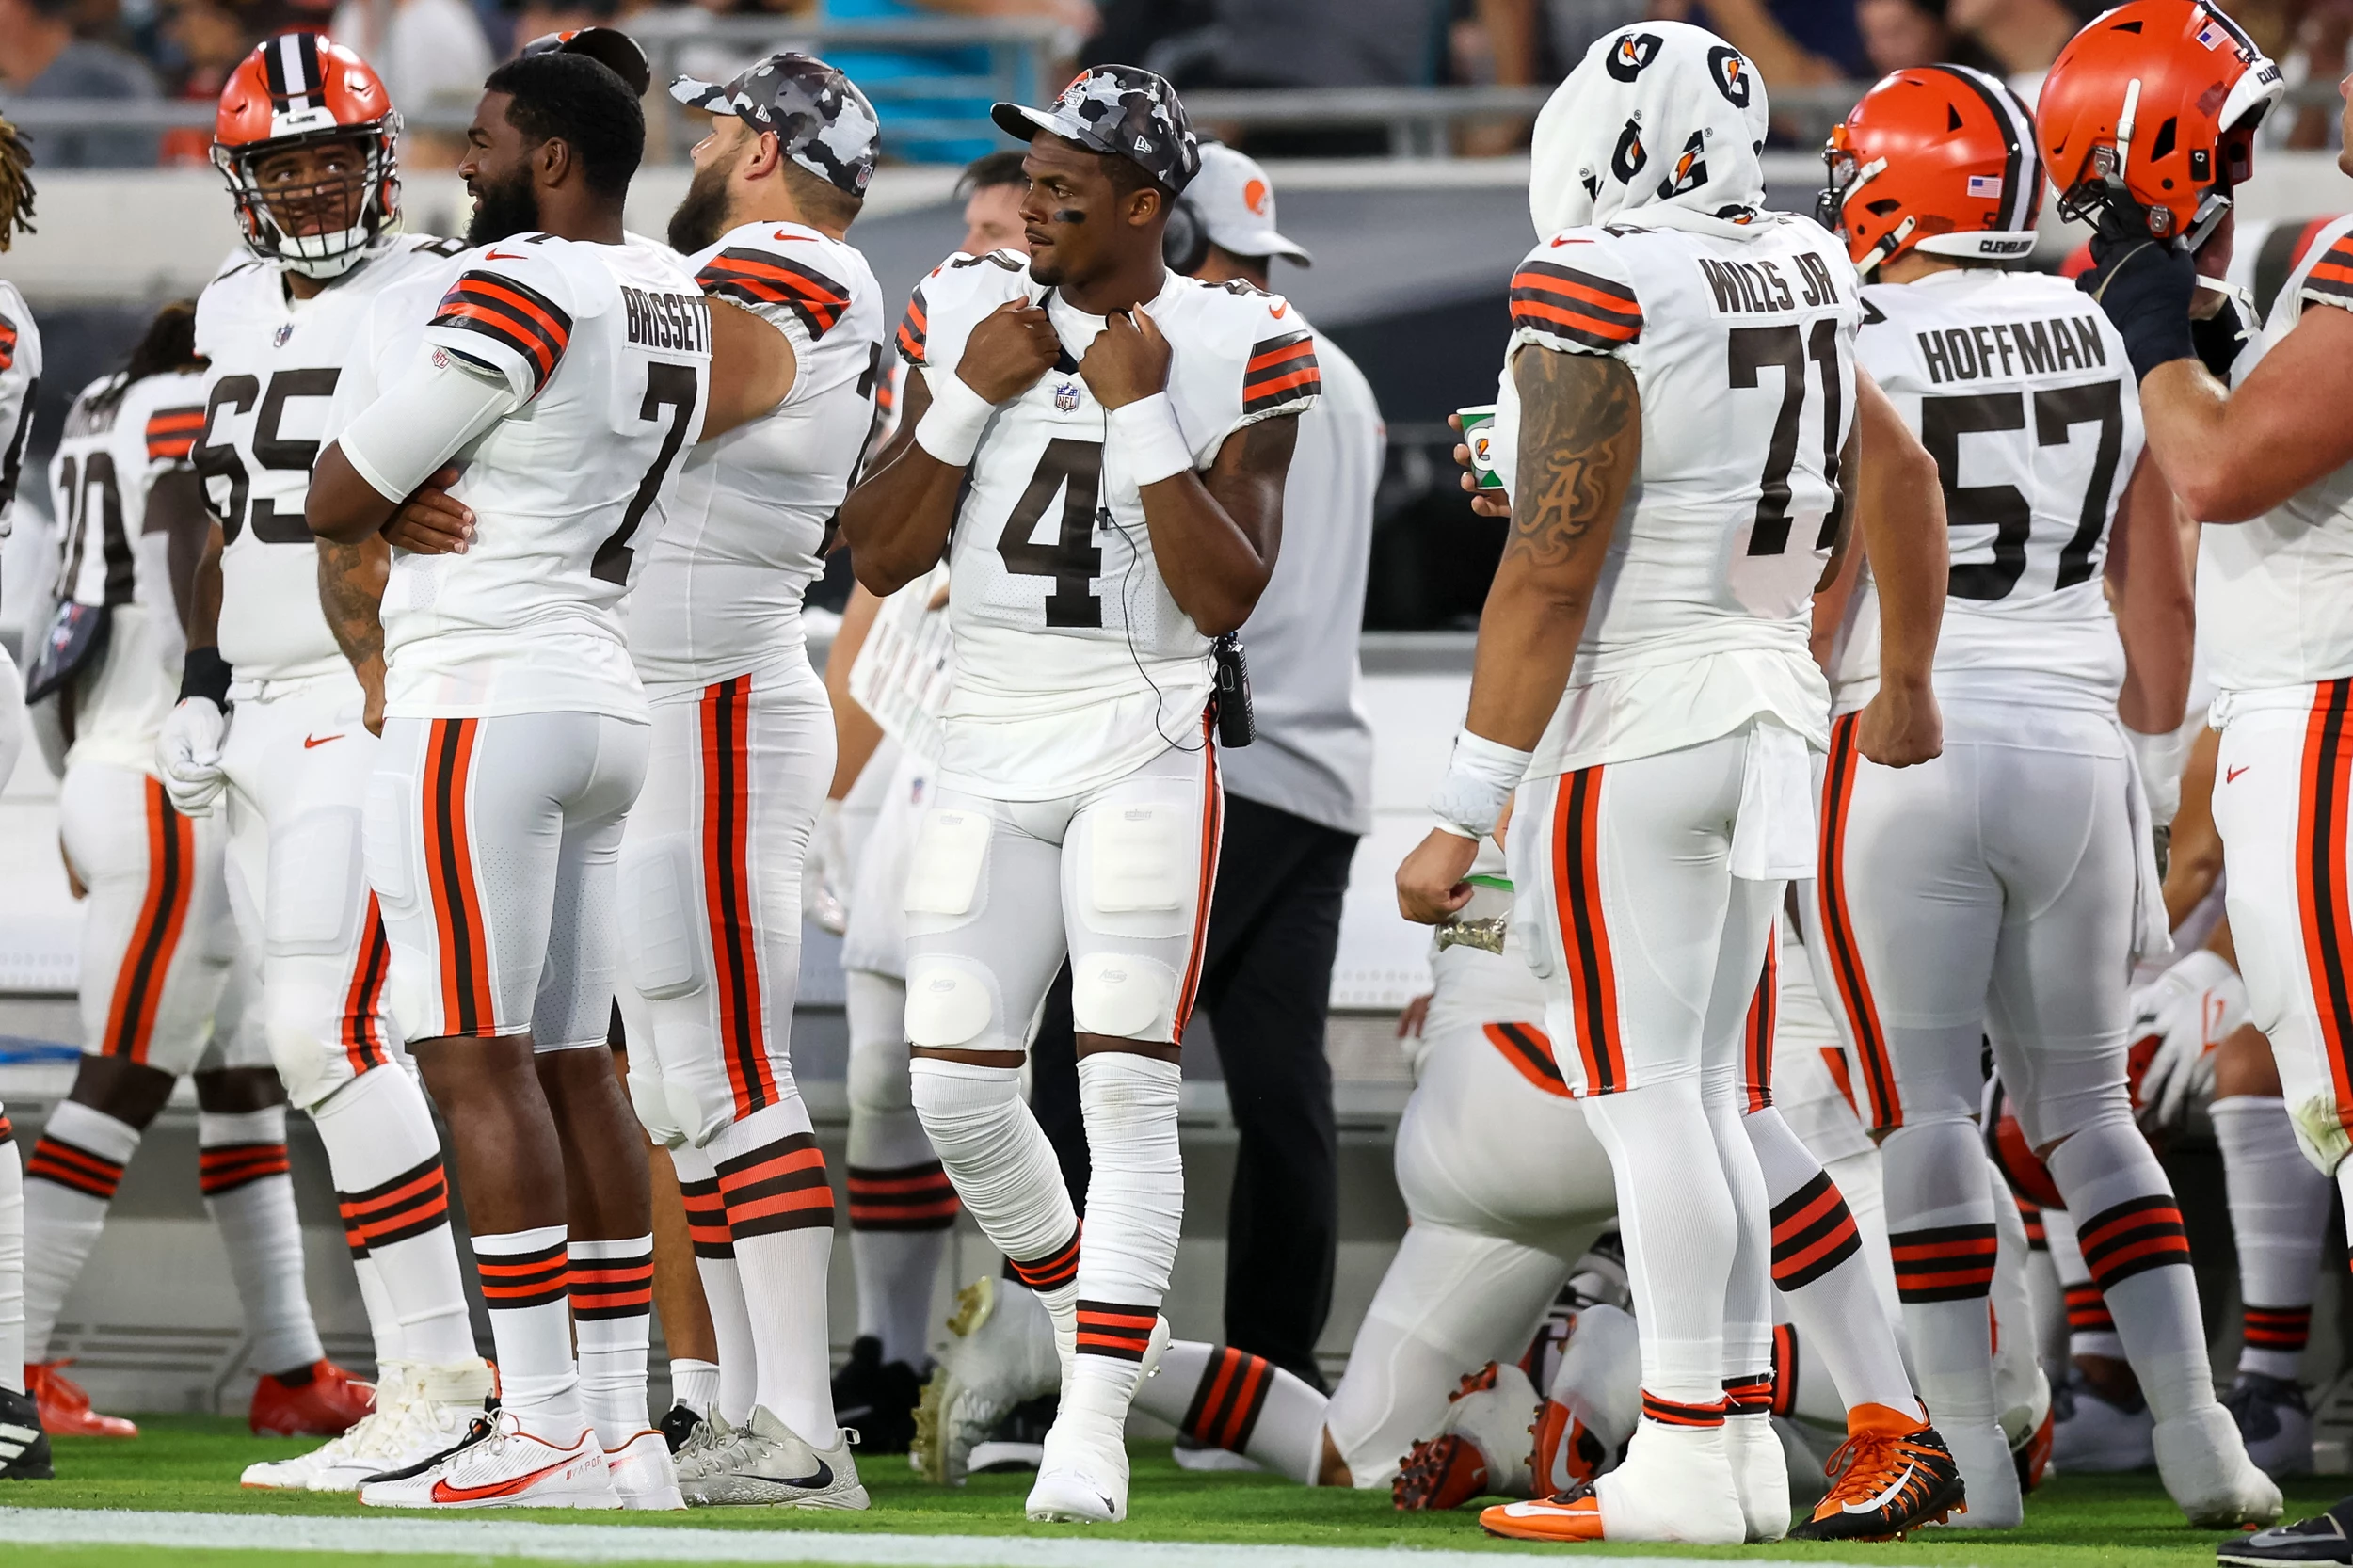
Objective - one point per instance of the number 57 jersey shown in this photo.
(1074, 664)
(1741, 341)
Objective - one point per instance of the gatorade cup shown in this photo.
(1477, 434)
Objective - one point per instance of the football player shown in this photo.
(306, 138)
(158, 944)
(1946, 914)
(1644, 666)
(742, 750)
(1110, 442)
(23, 1445)
(570, 366)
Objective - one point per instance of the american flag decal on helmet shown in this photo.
(755, 278)
(510, 312)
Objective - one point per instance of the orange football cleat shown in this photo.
(1574, 1515)
(65, 1410)
(320, 1401)
(1898, 1475)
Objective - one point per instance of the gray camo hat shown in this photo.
(1123, 110)
(819, 117)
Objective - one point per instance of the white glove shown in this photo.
(2190, 1010)
(188, 754)
(825, 875)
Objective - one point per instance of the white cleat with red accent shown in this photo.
(508, 1467)
(643, 1473)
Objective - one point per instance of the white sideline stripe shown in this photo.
(483, 1538)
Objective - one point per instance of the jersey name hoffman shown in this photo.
(2004, 351)
(676, 321)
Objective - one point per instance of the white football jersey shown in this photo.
(746, 532)
(606, 349)
(2275, 594)
(1742, 350)
(276, 363)
(1074, 665)
(117, 441)
(20, 377)
(2019, 387)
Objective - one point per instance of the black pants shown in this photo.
(1275, 929)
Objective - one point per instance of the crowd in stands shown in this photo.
(437, 51)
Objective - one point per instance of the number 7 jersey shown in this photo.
(1741, 345)
(1074, 664)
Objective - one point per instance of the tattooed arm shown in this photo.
(351, 591)
(1580, 447)
(1898, 506)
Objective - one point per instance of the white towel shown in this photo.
(1773, 841)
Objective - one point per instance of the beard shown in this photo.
(702, 211)
(508, 206)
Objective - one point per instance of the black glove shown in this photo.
(2218, 340)
(2146, 290)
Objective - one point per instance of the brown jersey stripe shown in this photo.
(1756, 1038)
(1585, 930)
(757, 278)
(914, 331)
(2324, 906)
(467, 1006)
(1529, 1051)
(146, 965)
(728, 905)
(1838, 933)
(362, 1025)
(171, 433)
(509, 312)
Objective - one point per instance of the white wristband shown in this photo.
(1151, 442)
(951, 428)
(1477, 782)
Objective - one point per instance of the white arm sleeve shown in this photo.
(423, 420)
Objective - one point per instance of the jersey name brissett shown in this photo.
(1074, 665)
(275, 365)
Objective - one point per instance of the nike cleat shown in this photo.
(421, 1414)
(1893, 1475)
(2203, 1463)
(23, 1446)
(2324, 1538)
(767, 1464)
(318, 1401)
(643, 1476)
(65, 1410)
(877, 1398)
(2093, 1435)
(1574, 1515)
(1083, 1477)
(1003, 1355)
(1484, 1445)
(2275, 1422)
(508, 1467)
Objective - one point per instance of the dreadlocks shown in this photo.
(16, 184)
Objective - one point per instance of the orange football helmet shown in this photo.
(1940, 159)
(302, 89)
(2148, 116)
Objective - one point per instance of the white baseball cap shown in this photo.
(1236, 203)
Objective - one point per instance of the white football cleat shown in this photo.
(2203, 1463)
(643, 1475)
(2091, 1436)
(1988, 1475)
(1083, 1479)
(507, 1467)
(770, 1465)
(1760, 1474)
(419, 1412)
(1003, 1355)
(1484, 1447)
(702, 1447)
(1675, 1485)
(395, 1384)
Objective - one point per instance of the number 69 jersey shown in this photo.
(276, 361)
(2022, 391)
(1741, 344)
(605, 351)
(1074, 665)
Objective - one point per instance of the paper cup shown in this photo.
(1478, 433)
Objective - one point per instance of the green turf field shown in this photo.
(191, 1463)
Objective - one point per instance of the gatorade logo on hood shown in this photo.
(1664, 87)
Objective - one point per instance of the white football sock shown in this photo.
(2015, 1365)
(386, 1161)
(1748, 1373)
(903, 1206)
(1941, 1235)
(241, 1166)
(2130, 1231)
(2279, 1209)
(779, 1207)
(2089, 1329)
(1005, 1172)
(1675, 1212)
(11, 1264)
(526, 1275)
(611, 1285)
(693, 1384)
(1822, 1272)
(1136, 1198)
(69, 1181)
(1243, 1404)
(721, 1281)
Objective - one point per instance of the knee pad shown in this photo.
(944, 873)
(662, 951)
(1125, 995)
(877, 1079)
(952, 1003)
(297, 1020)
(316, 887)
(649, 1097)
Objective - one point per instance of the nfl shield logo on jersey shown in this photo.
(286, 330)
(1066, 396)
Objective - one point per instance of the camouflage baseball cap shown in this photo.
(817, 115)
(1122, 110)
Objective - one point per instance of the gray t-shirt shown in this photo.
(93, 70)
(1313, 755)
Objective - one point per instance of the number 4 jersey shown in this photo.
(1741, 344)
(604, 351)
(1074, 665)
(2021, 391)
(274, 364)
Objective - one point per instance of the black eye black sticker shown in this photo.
(1631, 52)
(1730, 72)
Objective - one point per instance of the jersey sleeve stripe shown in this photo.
(1281, 369)
(758, 279)
(2331, 276)
(7, 343)
(510, 312)
(912, 329)
(1567, 303)
(172, 432)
